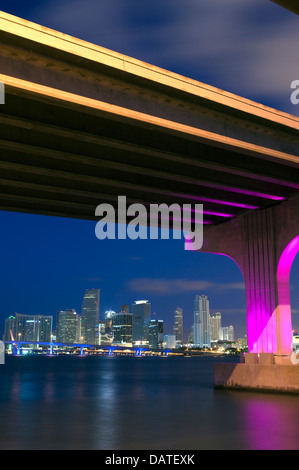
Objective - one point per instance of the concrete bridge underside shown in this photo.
(291, 5)
(82, 125)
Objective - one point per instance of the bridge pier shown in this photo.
(264, 244)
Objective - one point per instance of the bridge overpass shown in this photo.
(82, 125)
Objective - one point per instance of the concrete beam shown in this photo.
(76, 111)
(46, 57)
(291, 5)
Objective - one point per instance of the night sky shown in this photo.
(249, 48)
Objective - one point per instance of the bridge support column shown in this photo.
(264, 244)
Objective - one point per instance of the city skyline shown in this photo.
(123, 328)
(47, 261)
(68, 325)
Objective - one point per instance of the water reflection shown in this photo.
(272, 422)
(128, 403)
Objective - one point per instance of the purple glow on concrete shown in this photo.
(215, 201)
(269, 326)
(261, 195)
(247, 192)
(257, 194)
(261, 322)
(284, 317)
(261, 309)
(216, 214)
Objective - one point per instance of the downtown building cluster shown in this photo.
(129, 327)
(207, 329)
(125, 328)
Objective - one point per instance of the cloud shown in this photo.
(248, 47)
(174, 286)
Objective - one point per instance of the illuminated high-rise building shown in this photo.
(104, 337)
(33, 327)
(9, 328)
(122, 328)
(215, 326)
(68, 326)
(90, 316)
(45, 327)
(169, 342)
(201, 328)
(109, 314)
(178, 324)
(141, 310)
(227, 333)
(155, 336)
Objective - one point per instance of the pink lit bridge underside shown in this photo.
(269, 324)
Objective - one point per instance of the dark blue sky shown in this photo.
(249, 48)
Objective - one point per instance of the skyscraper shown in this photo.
(201, 329)
(10, 328)
(155, 336)
(90, 316)
(33, 327)
(141, 310)
(178, 324)
(68, 326)
(109, 314)
(227, 333)
(122, 328)
(45, 327)
(215, 326)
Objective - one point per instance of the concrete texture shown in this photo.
(257, 377)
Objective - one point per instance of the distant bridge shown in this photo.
(109, 348)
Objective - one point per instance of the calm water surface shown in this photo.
(121, 403)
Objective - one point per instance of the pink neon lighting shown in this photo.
(256, 194)
(216, 214)
(261, 327)
(284, 319)
(269, 326)
(215, 201)
(244, 191)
